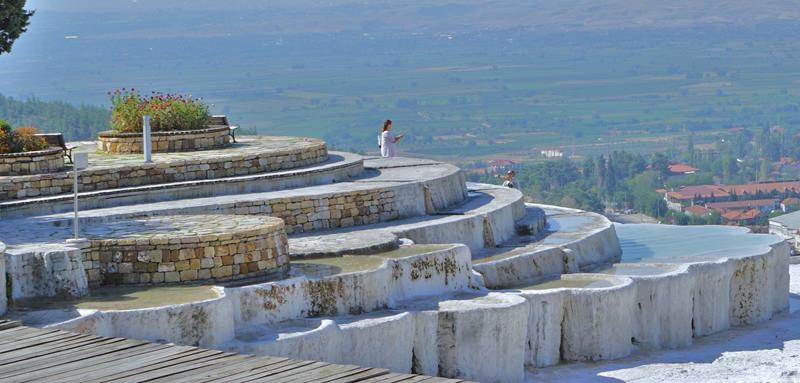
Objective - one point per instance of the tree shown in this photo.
(14, 20)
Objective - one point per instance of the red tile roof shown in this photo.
(766, 187)
(734, 215)
(740, 205)
(702, 191)
(682, 169)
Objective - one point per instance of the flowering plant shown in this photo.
(20, 140)
(167, 111)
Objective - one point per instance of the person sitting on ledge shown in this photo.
(388, 140)
(508, 179)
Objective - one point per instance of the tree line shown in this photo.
(75, 122)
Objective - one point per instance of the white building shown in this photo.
(552, 153)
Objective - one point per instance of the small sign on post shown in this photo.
(80, 161)
(147, 144)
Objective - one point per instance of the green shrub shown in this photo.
(167, 111)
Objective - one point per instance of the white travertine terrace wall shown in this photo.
(583, 250)
(480, 336)
(475, 231)
(46, 272)
(204, 324)
(663, 309)
(538, 263)
(578, 324)
(431, 273)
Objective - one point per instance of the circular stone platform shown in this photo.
(165, 142)
(109, 171)
(185, 248)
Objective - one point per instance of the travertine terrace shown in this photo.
(287, 249)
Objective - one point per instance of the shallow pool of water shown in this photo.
(567, 283)
(569, 223)
(127, 298)
(642, 241)
(630, 269)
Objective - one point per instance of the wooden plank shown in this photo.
(222, 364)
(391, 377)
(297, 370)
(266, 374)
(16, 346)
(43, 350)
(74, 360)
(38, 362)
(35, 355)
(175, 368)
(344, 374)
(9, 324)
(77, 362)
(317, 374)
(249, 374)
(367, 374)
(186, 356)
(11, 336)
(100, 372)
(213, 373)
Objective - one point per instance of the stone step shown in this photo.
(485, 219)
(378, 194)
(338, 167)
(251, 155)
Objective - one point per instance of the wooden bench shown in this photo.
(221, 119)
(57, 140)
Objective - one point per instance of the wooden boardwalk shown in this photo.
(35, 355)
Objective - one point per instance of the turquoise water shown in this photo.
(569, 223)
(640, 241)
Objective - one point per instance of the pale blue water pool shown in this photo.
(642, 241)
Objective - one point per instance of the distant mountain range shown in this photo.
(302, 16)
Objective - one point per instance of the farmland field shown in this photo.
(473, 93)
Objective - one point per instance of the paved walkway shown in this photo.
(244, 146)
(35, 355)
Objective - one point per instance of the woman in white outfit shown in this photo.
(389, 140)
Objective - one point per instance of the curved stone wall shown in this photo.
(170, 249)
(440, 334)
(165, 142)
(567, 250)
(249, 158)
(41, 161)
(433, 272)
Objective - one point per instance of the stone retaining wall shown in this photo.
(40, 161)
(165, 142)
(163, 259)
(156, 173)
(316, 212)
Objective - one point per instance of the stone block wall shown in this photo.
(315, 212)
(165, 142)
(41, 161)
(163, 259)
(148, 174)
